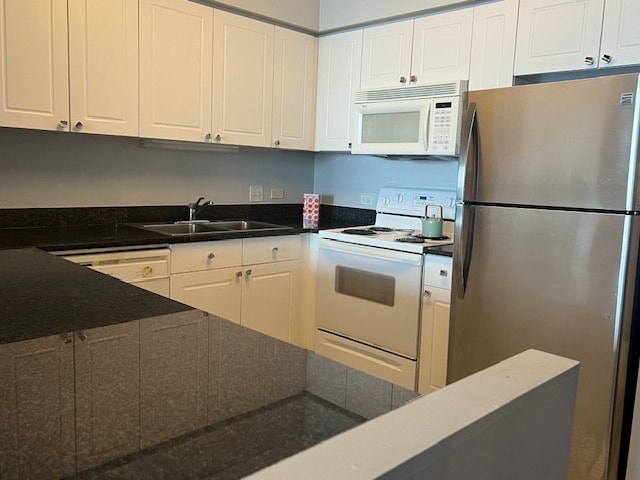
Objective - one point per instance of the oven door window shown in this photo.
(365, 285)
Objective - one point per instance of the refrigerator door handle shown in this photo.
(467, 188)
(468, 161)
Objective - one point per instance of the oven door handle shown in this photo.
(370, 252)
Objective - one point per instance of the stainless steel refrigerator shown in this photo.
(547, 235)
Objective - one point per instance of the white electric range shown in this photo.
(369, 285)
(398, 224)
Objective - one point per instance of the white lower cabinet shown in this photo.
(434, 330)
(173, 376)
(251, 281)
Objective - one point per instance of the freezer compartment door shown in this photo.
(544, 279)
(566, 144)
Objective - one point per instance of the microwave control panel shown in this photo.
(445, 120)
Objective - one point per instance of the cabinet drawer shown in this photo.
(205, 255)
(270, 249)
(437, 271)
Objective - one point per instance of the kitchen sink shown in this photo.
(204, 227)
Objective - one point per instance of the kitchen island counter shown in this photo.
(46, 295)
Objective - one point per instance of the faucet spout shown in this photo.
(196, 207)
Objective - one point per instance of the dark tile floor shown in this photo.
(237, 447)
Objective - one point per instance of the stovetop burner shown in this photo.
(409, 240)
(381, 229)
(422, 237)
(359, 231)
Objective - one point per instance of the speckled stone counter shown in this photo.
(46, 295)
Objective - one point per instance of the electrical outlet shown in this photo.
(366, 199)
(256, 193)
(277, 193)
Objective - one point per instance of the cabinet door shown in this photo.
(214, 291)
(107, 373)
(620, 33)
(175, 69)
(37, 436)
(294, 89)
(34, 85)
(493, 45)
(442, 47)
(173, 376)
(103, 66)
(339, 66)
(434, 340)
(386, 54)
(557, 35)
(270, 299)
(243, 80)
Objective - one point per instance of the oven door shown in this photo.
(370, 295)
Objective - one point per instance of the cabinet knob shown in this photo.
(207, 136)
(218, 138)
(444, 273)
(589, 60)
(277, 143)
(63, 124)
(238, 274)
(147, 271)
(211, 256)
(66, 338)
(606, 58)
(403, 79)
(413, 79)
(426, 294)
(248, 272)
(82, 336)
(350, 145)
(274, 250)
(79, 126)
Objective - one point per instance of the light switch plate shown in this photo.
(277, 193)
(256, 193)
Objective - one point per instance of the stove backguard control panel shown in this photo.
(413, 201)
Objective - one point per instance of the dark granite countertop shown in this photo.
(47, 295)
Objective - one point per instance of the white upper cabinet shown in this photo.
(558, 35)
(176, 51)
(386, 54)
(74, 73)
(339, 67)
(34, 85)
(493, 45)
(294, 89)
(243, 80)
(425, 50)
(103, 66)
(620, 33)
(442, 47)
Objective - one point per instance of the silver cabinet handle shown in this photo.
(426, 294)
(413, 78)
(79, 125)
(63, 124)
(606, 58)
(589, 60)
(238, 274)
(211, 256)
(277, 143)
(82, 336)
(274, 250)
(248, 272)
(403, 79)
(207, 136)
(218, 138)
(444, 273)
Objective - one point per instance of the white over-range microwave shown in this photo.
(414, 120)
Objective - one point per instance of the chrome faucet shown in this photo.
(196, 207)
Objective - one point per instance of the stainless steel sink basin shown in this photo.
(203, 228)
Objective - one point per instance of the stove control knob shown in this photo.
(400, 198)
(386, 200)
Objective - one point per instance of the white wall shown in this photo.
(303, 13)
(53, 169)
(341, 178)
(335, 14)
